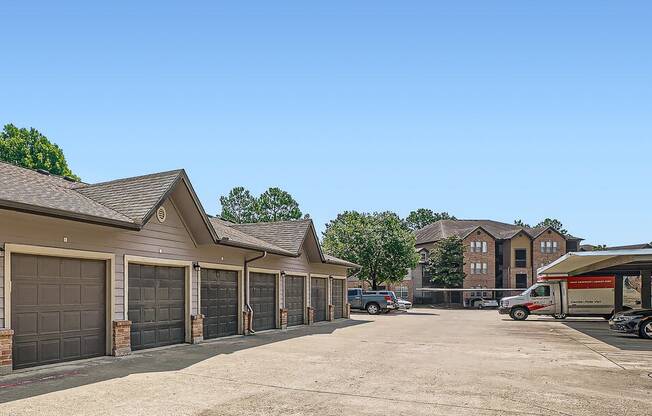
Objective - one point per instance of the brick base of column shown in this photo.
(121, 338)
(6, 344)
(245, 323)
(284, 318)
(348, 310)
(197, 328)
(331, 312)
(311, 315)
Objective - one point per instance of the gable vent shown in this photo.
(161, 214)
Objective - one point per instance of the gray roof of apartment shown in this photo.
(289, 235)
(461, 228)
(130, 202)
(32, 191)
(226, 230)
(135, 198)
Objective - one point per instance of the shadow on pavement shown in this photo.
(38, 381)
(600, 331)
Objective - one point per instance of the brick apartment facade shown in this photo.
(496, 255)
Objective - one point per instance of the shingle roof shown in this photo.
(133, 197)
(225, 229)
(33, 191)
(461, 228)
(289, 235)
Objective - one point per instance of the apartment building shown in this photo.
(496, 255)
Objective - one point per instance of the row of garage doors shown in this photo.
(59, 306)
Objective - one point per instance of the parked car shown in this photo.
(487, 303)
(404, 304)
(637, 321)
(374, 302)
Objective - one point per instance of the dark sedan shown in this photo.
(637, 322)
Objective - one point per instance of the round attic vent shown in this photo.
(161, 214)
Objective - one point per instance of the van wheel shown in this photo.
(519, 314)
(645, 330)
(373, 309)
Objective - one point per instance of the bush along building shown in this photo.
(496, 255)
(105, 269)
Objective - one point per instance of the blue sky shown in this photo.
(485, 109)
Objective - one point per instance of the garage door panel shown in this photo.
(72, 321)
(338, 298)
(219, 299)
(49, 294)
(92, 320)
(26, 292)
(72, 269)
(72, 347)
(157, 318)
(49, 267)
(49, 323)
(318, 296)
(25, 323)
(71, 294)
(50, 351)
(263, 300)
(92, 294)
(295, 299)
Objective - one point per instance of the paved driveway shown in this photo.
(425, 362)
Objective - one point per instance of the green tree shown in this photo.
(599, 247)
(277, 205)
(446, 263)
(520, 223)
(378, 242)
(239, 206)
(553, 223)
(31, 149)
(424, 216)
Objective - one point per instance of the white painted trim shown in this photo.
(319, 275)
(68, 253)
(228, 267)
(155, 261)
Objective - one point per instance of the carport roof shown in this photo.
(589, 261)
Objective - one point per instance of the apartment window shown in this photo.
(521, 281)
(549, 246)
(479, 268)
(479, 246)
(520, 257)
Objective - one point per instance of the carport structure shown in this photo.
(618, 263)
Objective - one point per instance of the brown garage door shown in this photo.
(294, 299)
(219, 302)
(58, 309)
(318, 297)
(263, 300)
(338, 298)
(156, 305)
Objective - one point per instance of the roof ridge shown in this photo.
(149, 175)
(274, 222)
(49, 174)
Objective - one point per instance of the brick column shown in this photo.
(6, 343)
(197, 328)
(348, 310)
(121, 338)
(245, 322)
(284, 318)
(331, 312)
(311, 315)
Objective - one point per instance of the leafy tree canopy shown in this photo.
(424, 216)
(32, 150)
(553, 223)
(378, 242)
(520, 223)
(238, 206)
(274, 204)
(446, 262)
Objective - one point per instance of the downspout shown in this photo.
(246, 288)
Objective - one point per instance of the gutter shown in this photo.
(246, 288)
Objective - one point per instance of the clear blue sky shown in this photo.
(485, 109)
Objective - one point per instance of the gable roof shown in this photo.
(462, 228)
(291, 236)
(136, 198)
(228, 233)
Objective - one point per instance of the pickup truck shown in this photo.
(373, 302)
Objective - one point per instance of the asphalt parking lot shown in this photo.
(424, 362)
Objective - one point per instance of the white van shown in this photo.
(563, 296)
